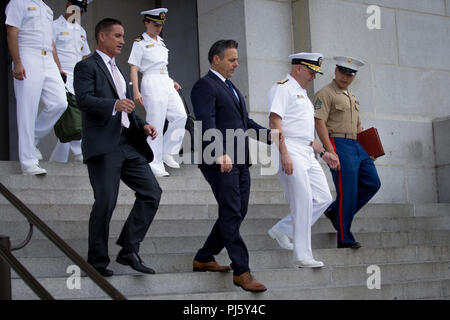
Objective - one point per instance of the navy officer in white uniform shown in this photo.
(37, 76)
(72, 46)
(158, 93)
(300, 174)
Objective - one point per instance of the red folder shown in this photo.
(370, 141)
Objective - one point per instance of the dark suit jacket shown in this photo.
(96, 95)
(218, 108)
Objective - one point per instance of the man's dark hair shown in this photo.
(219, 47)
(104, 25)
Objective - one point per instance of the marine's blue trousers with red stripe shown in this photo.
(356, 183)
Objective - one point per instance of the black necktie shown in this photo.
(228, 83)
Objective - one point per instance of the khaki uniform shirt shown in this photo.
(339, 110)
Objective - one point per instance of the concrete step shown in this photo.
(42, 196)
(185, 227)
(80, 169)
(39, 248)
(399, 290)
(77, 183)
(80, 212)
(193, 282)
(261, 259)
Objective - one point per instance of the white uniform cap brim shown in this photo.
(306, 55)
(349, 63)
(155, 12)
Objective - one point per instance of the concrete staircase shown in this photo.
(409, 243)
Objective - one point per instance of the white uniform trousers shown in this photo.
(308, 194)
(61, 151)
(162, 101)
(43, 82)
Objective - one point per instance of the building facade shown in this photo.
(403, 87)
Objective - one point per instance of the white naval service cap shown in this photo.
(310, 59)
(348, 65)
(157, 15)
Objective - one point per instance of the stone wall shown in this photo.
(403, 86)
(441, 131)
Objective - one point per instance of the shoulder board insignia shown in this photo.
(283, 81)
(140, 38)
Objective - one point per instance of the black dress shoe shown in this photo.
(330, 214)
(355, 245)
(104, 272)
(133, 260)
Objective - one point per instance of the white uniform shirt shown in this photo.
(148, 54)
(71, 45)
(290, 101)
(34, 20)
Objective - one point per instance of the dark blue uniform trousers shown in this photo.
(232, 191)
(356, 183)
(105, 172)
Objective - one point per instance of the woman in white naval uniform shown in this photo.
(72, 46)
(36, 77)
(158, 94)
(300, 174)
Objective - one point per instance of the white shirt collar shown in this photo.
(221, 77)
(63, 20)
(105, 57)
(148, 38)
(294, 83)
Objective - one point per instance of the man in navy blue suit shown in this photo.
(220, 106)
(114, 148)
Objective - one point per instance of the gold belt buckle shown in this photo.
(44, 53)
(162, 71)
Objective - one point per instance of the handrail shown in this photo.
(62, 245)
(24, 274)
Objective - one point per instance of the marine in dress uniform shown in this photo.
(300, 174)
(337, 124)
(158, 94)
(36, 77)
(71, 46)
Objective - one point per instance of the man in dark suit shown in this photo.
(114, 147)
(221, 107)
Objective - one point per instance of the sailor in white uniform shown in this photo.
(300, 174)
(71, 46)
(158, 94)
(37, 76)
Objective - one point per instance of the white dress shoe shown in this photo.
(282, 239)
(170, 161)
(161, 174)
(308, 264)
(157, 172)
(38, 153)
(34, 171)
(78, 158)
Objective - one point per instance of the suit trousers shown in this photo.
(356, 183)
(105, 172)
(232, 192)
(308, 194)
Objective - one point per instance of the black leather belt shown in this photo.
(343, 135)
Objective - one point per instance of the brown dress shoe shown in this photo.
(212, 266)
(248, 283)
